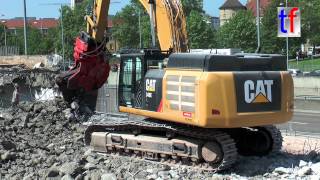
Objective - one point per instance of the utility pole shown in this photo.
(62, 40)
(258, 27)
(5, 37)
(153, 32)
(140, 34)
(287, 42)
(25, 28)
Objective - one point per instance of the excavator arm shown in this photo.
(91, 69)
(169, 23)
(167, 19)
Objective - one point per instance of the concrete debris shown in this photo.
(304, 171)
(302, 163)
(33, 84)
(39, 140)
(39, 65)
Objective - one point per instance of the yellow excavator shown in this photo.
(201, 110)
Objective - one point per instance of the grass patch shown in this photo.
(305, 65)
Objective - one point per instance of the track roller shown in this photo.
(257, 141)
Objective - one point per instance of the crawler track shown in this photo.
(257, 141)
(110, 123)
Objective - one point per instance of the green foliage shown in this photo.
(311, 20)
(192, 5)
(201, 34)
(73, 24)
(239, 32)
(1, 35)
(38, 43)
(126, 27)
(305, 65)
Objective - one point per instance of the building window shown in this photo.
(44, 31)
(12, 31)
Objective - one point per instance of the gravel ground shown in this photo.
(43, 140)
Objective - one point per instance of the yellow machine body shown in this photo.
(213, 98)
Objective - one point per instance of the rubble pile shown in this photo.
(32, 77)
(34, 84)
(36, 136)
(42, 140)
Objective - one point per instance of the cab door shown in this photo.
(131, 81)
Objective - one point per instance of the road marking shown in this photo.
(306, 111)
(306, 115)
(301, 123)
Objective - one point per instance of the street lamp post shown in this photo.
(287, 38)
(258, 27)
(62, 38)
(140, 29)
(287, 43)
(5, 37)
(140, 35)
(25, 28)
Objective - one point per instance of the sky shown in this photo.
(49, 8)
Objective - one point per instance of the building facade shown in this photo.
(43, 24)
(215, 21)
(229, 9)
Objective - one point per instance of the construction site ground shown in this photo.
(39, 140)
(44, 140)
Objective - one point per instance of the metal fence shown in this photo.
(305, 67)
(9, 50)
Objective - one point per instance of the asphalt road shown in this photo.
(303, 122)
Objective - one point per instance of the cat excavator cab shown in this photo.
(199, 110)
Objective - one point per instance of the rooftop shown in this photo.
(43, 23)
(232, 4)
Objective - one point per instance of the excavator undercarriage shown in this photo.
(175, 144)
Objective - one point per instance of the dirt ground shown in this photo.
(301, 145)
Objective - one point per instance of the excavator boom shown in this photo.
(91, 68)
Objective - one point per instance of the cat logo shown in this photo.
(151, 85)
(258, 92)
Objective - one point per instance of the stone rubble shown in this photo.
(44, 140)
(31, 77)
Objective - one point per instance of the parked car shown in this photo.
(314, 73)
(295, 72)
(313, 52)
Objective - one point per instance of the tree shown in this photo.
(200, 32)
(38, 43)
(239, 32)
(126, 26)
(311, 20)
(73, 24)
(192, 5)
(1, 35)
